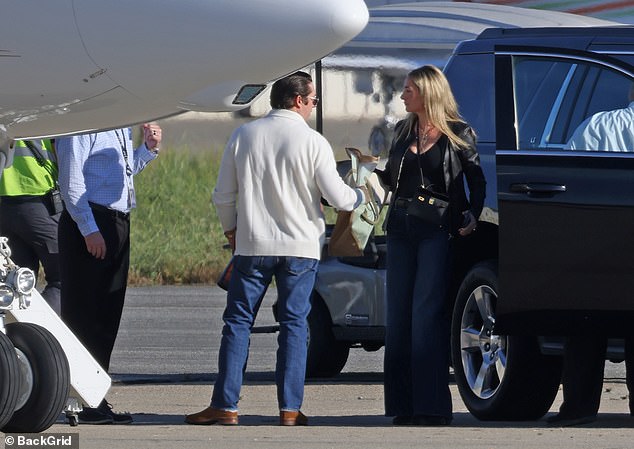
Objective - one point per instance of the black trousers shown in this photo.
(93, 290)
(32, 234)
(582, 380)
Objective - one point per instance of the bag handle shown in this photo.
(374, 208)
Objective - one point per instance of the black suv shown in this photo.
(554, 251)
(560, 221)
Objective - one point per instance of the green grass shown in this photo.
(176, 237)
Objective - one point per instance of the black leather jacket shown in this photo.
(458, 163)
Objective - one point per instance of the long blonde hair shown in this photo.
(438, 102)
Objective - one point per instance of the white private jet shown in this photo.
(79, 65)
(71, 66)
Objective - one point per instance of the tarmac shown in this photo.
(164, 368)
(343, 414)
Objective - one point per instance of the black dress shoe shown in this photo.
(90, 415)
(117, 418)
(431, 420)
(402, 420)
(560, 420)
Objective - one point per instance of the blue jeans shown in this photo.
(295, 278)
(416, 369)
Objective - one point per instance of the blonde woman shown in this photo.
(435, 147)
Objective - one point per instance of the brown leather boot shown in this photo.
(293, 418)
(213, 416)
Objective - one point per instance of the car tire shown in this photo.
(45, 378)
(499, 377)
(10, 379)
(326, 356)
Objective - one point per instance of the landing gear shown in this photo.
(73, 420)
(9, 379)
(73, 407)
(6, 151)
(44, 376)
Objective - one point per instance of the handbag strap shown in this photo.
(418, 153)
(420, 167)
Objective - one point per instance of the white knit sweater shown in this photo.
(273, 174)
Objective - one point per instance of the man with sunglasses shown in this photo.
(273, 174)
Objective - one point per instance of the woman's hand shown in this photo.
(468, 225)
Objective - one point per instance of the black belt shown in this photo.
(402, 203)
(106, 210)
(19, 199)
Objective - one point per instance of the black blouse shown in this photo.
(431, 163)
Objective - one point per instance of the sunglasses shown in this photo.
(314, 99)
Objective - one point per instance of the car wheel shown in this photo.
(326, 356)
(9, 379)
(499, 377)
(44, 378)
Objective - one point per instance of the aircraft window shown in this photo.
(248, 92)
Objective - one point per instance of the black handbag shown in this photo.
(427, 205)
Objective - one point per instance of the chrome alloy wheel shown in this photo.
(482, 352)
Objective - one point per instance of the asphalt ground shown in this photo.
(164, 366)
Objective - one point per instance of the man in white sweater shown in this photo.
(273, 174)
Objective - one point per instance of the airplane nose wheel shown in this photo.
(10, 375)
(44, 378)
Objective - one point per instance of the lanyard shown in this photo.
(124, 149)
(128, 171)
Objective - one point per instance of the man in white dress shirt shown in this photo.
(606, 130)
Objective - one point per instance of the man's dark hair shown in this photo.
(285, 90)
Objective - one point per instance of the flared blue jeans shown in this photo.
(418, 324)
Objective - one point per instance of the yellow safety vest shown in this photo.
(27, 175)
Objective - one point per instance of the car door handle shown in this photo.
(537, 188)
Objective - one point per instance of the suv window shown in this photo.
(476, 93)
(553, 97)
